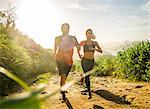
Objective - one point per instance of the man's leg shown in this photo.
(63, 80)
(62, 83)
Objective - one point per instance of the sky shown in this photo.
(110, 20)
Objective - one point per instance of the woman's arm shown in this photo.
(82, 43)
(98, 47)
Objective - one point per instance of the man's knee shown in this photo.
(63, 75)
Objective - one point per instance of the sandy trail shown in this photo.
(107, 93)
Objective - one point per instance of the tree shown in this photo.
(7, 19)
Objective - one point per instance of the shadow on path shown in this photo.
(97, 107)
(111, 97)
(68, 104)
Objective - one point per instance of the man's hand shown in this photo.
(80, 56)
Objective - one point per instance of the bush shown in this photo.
(104, 66)
(15, 59)
(21, 61)
(134, 62)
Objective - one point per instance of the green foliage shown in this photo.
(21, 55)
(78, 67)
(15, 59)
(14, 56)
(134, 62)
(14, 77)
(104, 66)
(43, 78)
(23, 62)
(29, 99)
(30, 102)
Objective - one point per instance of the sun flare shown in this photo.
(39, 19)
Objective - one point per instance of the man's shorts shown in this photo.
(63, 67)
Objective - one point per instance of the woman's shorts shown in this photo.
(87, 64)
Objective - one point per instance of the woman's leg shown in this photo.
(87, 65)
(87, 82)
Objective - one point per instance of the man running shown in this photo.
(63, 51)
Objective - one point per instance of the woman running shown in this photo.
(87, 62)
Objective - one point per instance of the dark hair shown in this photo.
(64, 25)
(89, 30)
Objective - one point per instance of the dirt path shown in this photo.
(107, 92)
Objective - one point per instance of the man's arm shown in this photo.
(77, 46)
(55, 47)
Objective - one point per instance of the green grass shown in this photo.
(43, 78)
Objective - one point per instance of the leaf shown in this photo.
(15, 78)
(25, 101)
